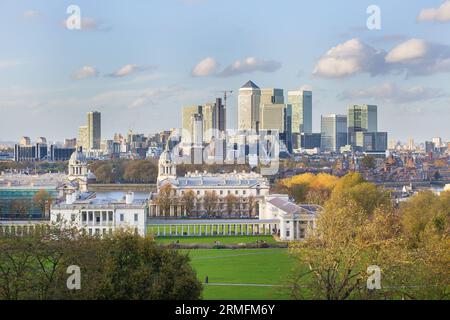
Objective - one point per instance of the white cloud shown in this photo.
(204, 68)
(129, 69)
(407, 51)
(249, 65)
(85, 72)
(349, 58)
(392, 93)
(440, 14)
(419, 57)
(412, 57)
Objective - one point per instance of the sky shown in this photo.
(138, 62)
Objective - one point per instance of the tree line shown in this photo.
(361, 227)
(120, 267)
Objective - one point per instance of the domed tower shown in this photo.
(77, 166)
(166, 168)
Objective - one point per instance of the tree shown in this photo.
(140, 171)
(188, 200)
(368, 162)
(122, 266)
(252, 205)
(104, 172)
(43, 201)
(20, 207)
(164, 199)
(333, 261)
(230, 201)
(210, 200)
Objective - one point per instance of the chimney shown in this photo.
(129, 198)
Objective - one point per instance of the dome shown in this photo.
(165, 157)
(77, 156)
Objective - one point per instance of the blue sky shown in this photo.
(139, 61)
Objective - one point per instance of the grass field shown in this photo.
(221, 239)
(236, 274)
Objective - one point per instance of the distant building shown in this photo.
(94, 127)
(187, 114)
(370, 141)
(70, 143)
(248, 106)
(277, 118)
(361, 118)
(301, 102)
(83, 137)
(60, 153)
(310, 140)
(333, 132)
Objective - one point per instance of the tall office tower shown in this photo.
(186, 118)
(94, 125)
(197, 129)
(361, 118)
(278, 117)
(83, 137)
(272, 96)
(301, 102)
(220, 115)
(333, 132)
(248, 106)
(209, 122)
(371, 141)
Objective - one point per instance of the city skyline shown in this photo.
(52, 77)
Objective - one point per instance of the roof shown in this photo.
(292, 208)
(250, 84)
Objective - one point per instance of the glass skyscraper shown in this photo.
(333, 132)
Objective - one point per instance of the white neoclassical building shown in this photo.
(247, 188)
(295, 221)
(101, 216)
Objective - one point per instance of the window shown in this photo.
(72, 217)
(121, 217)
(110, 216)
(84, 216)
(236, 192)
(136, 217)
(221, 192)
(244, 192)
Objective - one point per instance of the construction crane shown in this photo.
(225, 95)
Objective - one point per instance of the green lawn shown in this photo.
(242, 266)
(221, 239)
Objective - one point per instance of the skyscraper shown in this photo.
(220, 115)
(333, 132)
(272, 96)
(187, 113)
(301, 102)
(94, 130)
(278, 118)
(361, 118)
(83, 140)
(248, 106)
